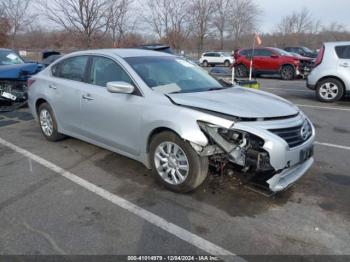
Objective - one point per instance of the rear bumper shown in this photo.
(309, 85)
(289, 176)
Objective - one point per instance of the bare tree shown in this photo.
(221, 17)
(17, 15)
(4, 28)
(296, 23)
(243, 19)
(201, 15)
(118, 19)
(86, 17)
(169, 20)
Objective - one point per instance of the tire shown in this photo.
(46, 116)
(197, 167)
(205, 63)
(241, 71)
(227, 63)
(287, 72)
(329, 90)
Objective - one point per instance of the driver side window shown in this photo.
(104, 70)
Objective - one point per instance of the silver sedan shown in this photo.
(172, 116)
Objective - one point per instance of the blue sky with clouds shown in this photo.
(326, 11)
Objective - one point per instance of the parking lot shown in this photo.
(72, 197)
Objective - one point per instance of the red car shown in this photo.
(267, 60)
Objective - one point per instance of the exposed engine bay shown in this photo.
(237, 153)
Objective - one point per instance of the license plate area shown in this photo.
(305, 154)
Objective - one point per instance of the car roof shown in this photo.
(338, 43)
(5, 49)
(122, 52)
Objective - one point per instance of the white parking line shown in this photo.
(156, 220)
(333, 145)
(325, 107)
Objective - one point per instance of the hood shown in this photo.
(19, 71)
(238, 102)
(305, 58)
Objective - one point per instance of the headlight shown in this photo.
(231, 135)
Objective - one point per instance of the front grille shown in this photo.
(294, 136)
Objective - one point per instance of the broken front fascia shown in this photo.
(234, 150)
(241, 148)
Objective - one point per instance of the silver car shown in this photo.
(330, 77)
(173, 117)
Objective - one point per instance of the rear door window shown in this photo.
(72, 68)
(262, 52)
(266, 53)
(343, 51)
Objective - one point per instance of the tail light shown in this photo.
(236, 54)
(319, 57)
(30, 82)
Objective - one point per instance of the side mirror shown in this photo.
(120, 87)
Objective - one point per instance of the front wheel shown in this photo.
(176, 164)
(227, 63)
(205, 63)
(288, 72)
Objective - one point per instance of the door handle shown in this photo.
(52, 86)
(87, 97)
(345, 65)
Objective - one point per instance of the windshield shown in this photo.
(173, 75)
(10, 58)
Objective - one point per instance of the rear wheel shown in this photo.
(176, 164)
(329, 90)
(287, 72)
(241, 71)
(48, 123)
(227, 63)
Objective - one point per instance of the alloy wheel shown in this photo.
(287, 73)
(46, 122)
(171, 163)
(328, 91)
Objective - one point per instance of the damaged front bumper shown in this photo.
(287, 177)
(13, 94)
(265, 150)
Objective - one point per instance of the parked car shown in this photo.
(49, 60)
(158, 47)
(14, 72)
(306, 64)
(216, 58)
(267, 60)
(330, 77)
(50, 56)
(302, 50)
(173, 117)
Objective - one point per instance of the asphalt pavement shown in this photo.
(51, 202)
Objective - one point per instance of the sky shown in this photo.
(326, 11)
